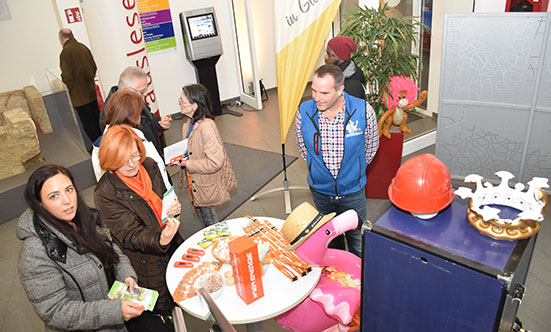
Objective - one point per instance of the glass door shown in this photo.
(250, 82)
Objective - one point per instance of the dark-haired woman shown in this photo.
(206, 154)
(68, 263)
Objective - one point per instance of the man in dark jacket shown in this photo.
(338, 53)
(78, 70)
(135, 79)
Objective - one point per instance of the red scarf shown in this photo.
(141, 185)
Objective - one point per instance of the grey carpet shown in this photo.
(246, 164)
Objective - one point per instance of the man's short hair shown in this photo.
(66, 34)
(130, 75)
(332, 70)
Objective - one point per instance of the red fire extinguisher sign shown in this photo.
(73, 15)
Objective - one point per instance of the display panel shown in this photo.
(202, 26)
(494, 107)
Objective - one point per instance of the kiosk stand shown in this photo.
(203, 49)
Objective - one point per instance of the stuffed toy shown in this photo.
(401, 98)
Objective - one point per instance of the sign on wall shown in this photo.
(157, 25)
(73, 15)
(115, 27)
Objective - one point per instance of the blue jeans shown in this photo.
(207, 214)
(339, 204)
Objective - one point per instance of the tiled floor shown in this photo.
(260, 130)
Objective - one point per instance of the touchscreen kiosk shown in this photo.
(201, 36)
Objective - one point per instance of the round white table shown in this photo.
(280, 293)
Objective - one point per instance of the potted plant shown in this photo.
(382, 52)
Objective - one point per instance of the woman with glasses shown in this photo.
(68, 262)
(206, 160)
(125, 107)
(129, 198)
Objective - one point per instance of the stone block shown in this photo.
(20, 148)
(14, 100)
(6, 94)
(38, 108)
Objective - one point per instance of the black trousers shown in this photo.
(89, 117)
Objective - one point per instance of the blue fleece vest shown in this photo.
(351, 177)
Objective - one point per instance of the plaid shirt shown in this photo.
(332, 138)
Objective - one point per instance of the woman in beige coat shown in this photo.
(206, 155)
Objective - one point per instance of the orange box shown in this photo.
(247, 269)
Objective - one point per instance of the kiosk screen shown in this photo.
(202, 26)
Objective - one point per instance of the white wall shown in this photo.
(171, 69)
(439, 8)
(29, 44)
(263, 22)
(489, 6)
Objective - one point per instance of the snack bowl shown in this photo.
(213, 282)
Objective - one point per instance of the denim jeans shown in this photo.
(339, 204)
(207, 214)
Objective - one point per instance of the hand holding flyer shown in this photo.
(144, 296)
(168, 198)
(175, 152)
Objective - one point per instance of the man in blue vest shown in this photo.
(337, 135)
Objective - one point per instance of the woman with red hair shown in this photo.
(125, 107)
(129, 197)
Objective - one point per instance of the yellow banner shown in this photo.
(296, 56)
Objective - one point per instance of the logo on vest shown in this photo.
(352, 129)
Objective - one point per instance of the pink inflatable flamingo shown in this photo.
(330, 305)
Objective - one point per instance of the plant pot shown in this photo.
(384, 166)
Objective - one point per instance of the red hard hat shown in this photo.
(422, 185)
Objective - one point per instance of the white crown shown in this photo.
(530, 202)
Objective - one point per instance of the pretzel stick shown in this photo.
(283, 270)
(285, 261)
(271, 233)
(277, 254)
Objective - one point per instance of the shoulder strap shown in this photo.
(190, 128)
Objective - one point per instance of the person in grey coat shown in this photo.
(68, 263)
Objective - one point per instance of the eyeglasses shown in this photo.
(135, 157)
(141, 92)
(181, 101)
